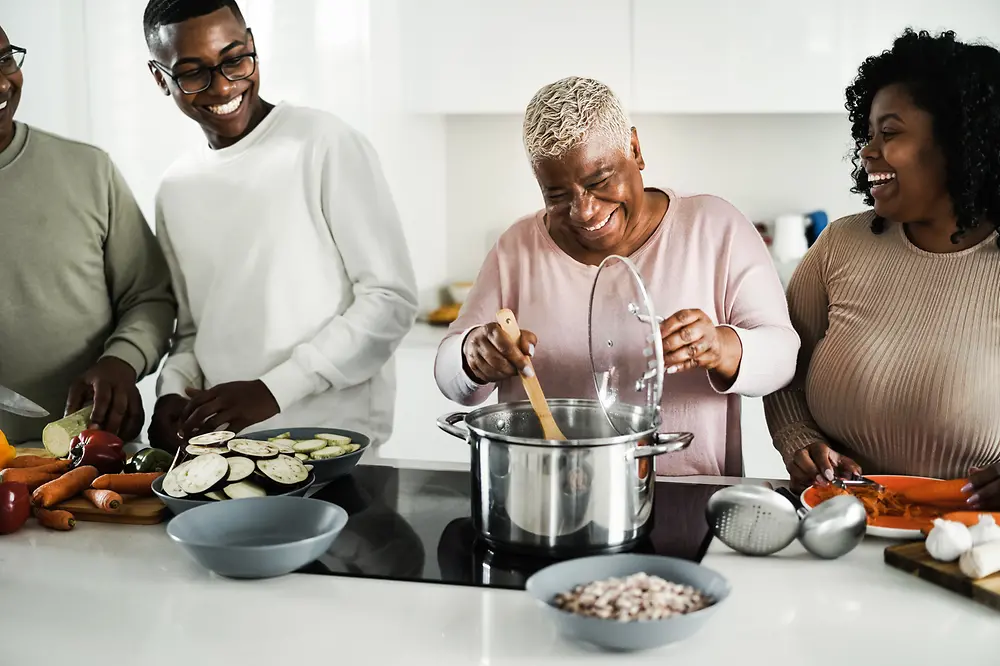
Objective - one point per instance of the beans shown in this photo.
(637, 597)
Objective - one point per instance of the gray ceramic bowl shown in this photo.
(325, 470)
(615, 635)
(179, 506)
(258, 537)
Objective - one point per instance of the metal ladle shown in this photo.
(758, 521)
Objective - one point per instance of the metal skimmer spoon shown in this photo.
(758, 521)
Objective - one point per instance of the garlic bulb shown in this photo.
(948, 540)
(985, 531)
(981, 561)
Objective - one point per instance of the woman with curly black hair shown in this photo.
(898, 307)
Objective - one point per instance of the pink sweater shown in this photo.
(705, 254)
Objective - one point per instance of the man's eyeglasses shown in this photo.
(198, 80)
(11, 60)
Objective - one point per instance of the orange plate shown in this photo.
(889, 526)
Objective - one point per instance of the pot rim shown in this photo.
(553, 443)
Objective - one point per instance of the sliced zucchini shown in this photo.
(340, 440)
(286, 447)
(327, 453)
(239, 468)
(309, 445)
(353, 448)
(284, 435)
(201, 449)
(170, 485)
(252, 448)
(216, 495)
(302, 456)
(201, 474)
(244, 489)
(216, 438)
(284, 470)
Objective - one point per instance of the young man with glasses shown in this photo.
(293, 277)
(85, 301)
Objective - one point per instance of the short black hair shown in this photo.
(167, 12)
(958, 84)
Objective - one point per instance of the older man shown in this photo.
(85, 302)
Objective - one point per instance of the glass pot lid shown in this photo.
(626, 354)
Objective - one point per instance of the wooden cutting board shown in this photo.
(913, 557)
(134, 510)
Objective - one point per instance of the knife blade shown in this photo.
(16, 403)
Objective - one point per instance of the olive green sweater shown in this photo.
(81, 274)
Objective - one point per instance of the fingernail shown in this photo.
(672, 369)
(529, 371)
(828, 474)
(531, 349)
(973, 500)
(820, 481)
(967, 488)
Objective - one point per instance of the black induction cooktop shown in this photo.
(416, 525)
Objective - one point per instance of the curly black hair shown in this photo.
(959, 85)
(159, 13)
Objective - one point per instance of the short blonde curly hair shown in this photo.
(565, 114)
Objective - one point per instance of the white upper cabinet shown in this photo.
(776, 56)
(479, 56)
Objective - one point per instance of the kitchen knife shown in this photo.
(18, 404)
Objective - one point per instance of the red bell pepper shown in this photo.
(96, 436)
(107, 458)
(15, 506)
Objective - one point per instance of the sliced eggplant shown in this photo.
(309, 445)
(203, 473)
(284, 470)
(309, 468)
(216, 495)
(201, 449)
(327, 453)
(244, 489)
(302, 456)
(340, 440)
(251, 448)
(170, 485)
(239, 468)
(216, 438)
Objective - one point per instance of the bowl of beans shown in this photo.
(628, 601)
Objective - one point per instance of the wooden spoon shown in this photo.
(534, 390)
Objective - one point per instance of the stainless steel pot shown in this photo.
(592, 492)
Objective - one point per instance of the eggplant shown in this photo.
(284, 470)
(201, 449)
(203, 473)
(239, 468)
(283, 447)
(242, 489)
(252, 448)
(217, 438)
(170, 485)
(216, 495)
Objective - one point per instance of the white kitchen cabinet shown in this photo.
(776, 56)
(474, 56)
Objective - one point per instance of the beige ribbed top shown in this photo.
(900, 360)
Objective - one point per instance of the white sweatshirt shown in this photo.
(290, 266)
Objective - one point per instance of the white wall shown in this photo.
(766, 165)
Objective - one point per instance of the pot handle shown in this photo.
(448, 421)
(664, 442)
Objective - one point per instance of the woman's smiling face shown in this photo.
(905, 165)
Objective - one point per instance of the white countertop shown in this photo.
(108, 594)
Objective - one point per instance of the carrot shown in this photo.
(54, 467)
(28, 475)
(970, 518)
(55, 520)
(105, 500)
(944, 494)
(33, 461)
(69, 485)
(128, 484)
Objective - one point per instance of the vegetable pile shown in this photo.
(95, 470)
(324, 446)
(218, 466)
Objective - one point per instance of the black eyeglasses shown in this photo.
(10, 62)
(234, 69)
